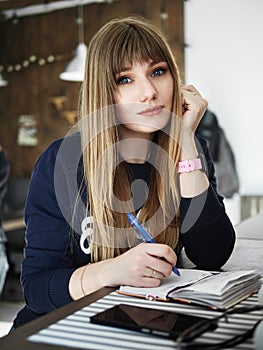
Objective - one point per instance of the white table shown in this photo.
(248, 250)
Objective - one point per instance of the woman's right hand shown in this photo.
(142, 266)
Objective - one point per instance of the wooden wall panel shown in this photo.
(30, 89)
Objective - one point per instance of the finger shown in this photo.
(191, 91)
(163, 267)
(193, 99)
(161, 251)
(151, 273)
(150, 282)
(190, 88)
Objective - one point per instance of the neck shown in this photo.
(134, 147)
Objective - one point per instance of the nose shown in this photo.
(147, 91)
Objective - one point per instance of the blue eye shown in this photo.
(157, 72)
(123, 81)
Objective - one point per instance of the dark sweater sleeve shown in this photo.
(4, 173)
(48, 259)
(207, 233)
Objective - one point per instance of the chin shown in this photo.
(144, 129)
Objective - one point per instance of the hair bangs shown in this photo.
(135, 45)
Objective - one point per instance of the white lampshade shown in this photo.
(74, 71)
(2, 81)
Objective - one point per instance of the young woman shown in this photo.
(136, 137)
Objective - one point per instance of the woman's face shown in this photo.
(144, 96)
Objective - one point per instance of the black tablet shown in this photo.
(152, 321)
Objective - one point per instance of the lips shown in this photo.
(151, 111)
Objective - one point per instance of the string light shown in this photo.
(31, 60)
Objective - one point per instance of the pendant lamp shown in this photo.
(3, 82)
(74, 71)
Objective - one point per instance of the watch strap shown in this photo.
(189, 165)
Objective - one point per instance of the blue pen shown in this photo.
(144, 235)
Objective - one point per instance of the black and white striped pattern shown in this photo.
(76, 330)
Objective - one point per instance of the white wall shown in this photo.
(224, 61)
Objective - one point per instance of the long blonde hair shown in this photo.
(117, 43)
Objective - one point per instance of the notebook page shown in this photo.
(170, 283)
(223, 281)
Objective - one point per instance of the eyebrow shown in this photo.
(128, 68)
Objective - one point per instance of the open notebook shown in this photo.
(218, 290)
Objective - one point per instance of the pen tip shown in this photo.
(176, 271)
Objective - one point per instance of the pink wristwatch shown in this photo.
(189, 165)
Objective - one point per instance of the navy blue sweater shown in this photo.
(51, 254)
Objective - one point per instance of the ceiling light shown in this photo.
(3, 82)
(74, 71)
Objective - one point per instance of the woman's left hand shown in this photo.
(194, 106)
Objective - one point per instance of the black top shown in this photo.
(50, 256)
(4, 172)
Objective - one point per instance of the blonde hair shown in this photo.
(116, 44)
